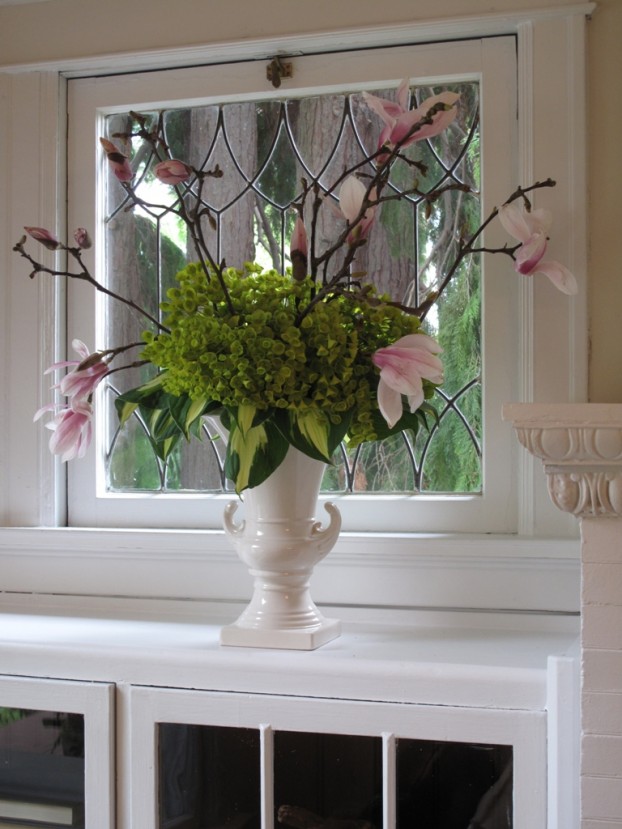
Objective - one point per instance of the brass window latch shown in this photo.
(278, 69)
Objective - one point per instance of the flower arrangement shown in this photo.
(306, 358)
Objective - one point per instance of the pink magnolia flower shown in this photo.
(80, 383)
(43, 236)
(72, 422)
(351, 196)
(399, 120)
(403, 366)
(172, 171)
(530, 229)
(72, 431)
(119, 164)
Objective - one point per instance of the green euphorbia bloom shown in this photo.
(282, 369)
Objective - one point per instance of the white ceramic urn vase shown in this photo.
(281, 541)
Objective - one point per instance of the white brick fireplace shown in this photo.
(580, 446)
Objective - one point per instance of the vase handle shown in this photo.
(327, 535)
(231, 528)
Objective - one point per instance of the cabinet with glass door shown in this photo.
(243, 761)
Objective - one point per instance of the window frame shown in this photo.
(491, 62)
(534, 568)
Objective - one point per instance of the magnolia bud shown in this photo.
(119, 164)
(298, 250)
(83, 240)
(43, 236)
(172, 171)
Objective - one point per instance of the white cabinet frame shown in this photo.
(95, 701)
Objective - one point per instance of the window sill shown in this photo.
(456, 571)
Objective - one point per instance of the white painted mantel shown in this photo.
(580, 446)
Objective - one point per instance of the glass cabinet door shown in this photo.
(41, 767)
(239, 761)
(55, 757)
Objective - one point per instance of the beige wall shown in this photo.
(605, 263)
(56, 30)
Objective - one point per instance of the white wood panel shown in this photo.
(267, 776)
(32, 194)
(451, 571)
(563, 743)
(389, 792)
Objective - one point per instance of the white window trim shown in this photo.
(489, 61)
(551, 89)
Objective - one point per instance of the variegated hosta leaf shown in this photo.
(314, 428)
(312, 432)
(127, 403)
(244, 417)
(167, 417)
(253, 455)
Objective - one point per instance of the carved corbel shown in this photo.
(580, 446)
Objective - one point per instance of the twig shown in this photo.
(85, 276)
(467, 247)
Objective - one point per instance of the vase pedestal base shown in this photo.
(300, 639)
(281, 614)
(280, 541)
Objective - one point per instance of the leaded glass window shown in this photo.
(263, 149)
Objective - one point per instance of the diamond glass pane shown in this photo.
(259, 152)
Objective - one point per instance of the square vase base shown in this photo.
(302, 639)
